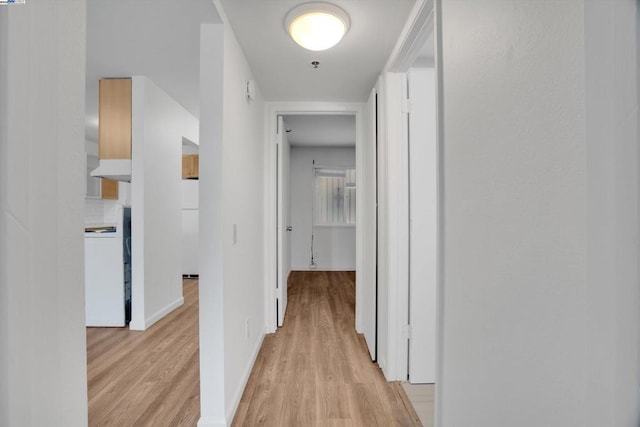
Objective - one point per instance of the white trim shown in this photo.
(394, 136)
(221, 13)
(394, 147)
(381, 238)
(401, 235)
(210, 422)
(149, 321)
(270, 269)
(270, 226)
(413, 36)
(273, 110)
(440, 289)
(233, 407)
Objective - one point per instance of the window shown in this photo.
(335, 196)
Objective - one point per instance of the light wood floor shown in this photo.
(422, 398)
(315, 370)
(149, 378)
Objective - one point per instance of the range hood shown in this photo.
(118, 169)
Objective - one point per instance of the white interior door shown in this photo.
(423, 174)
(284, 214)
(368, 282)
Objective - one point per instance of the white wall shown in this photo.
(43, 351)
(515, 196)
(334, 247)
(540, 298)
(158, 125)
(5, 386)
(613, 307)
(91, 148)
(243, 174)
(211, 286)
(231, 192)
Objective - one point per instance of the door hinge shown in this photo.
(407, 331)
(406, 106)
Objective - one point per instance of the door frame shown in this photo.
(422, 22)
(283, 201)
(272, 111)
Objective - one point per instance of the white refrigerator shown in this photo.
(190, 226)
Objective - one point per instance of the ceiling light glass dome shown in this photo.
(317, 26)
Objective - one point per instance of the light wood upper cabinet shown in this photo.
(109, 189)
(190, 166)
(114, 110)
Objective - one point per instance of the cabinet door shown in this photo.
(190, 166)
(186, 167)
(109, 189)
(114, 133)
(195, 166)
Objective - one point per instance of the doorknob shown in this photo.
(289, 228)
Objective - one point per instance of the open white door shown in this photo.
(423, 176)
(368, 282)
(284, 235)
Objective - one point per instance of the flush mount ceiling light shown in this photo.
(317, 26)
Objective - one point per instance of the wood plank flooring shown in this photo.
(316, 370)
(149, 378)
(422, 397)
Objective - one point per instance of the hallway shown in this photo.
(315, 370)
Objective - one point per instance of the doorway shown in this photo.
(163, 197)
(411, 214)
(316, 195)
(305, 229)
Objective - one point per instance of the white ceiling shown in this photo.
(159, 39)
(347, 71)
(321, 130)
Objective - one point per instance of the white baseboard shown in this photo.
(156, 316)
(208, 422)
(231, 409)
(306, 268)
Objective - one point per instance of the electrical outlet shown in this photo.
(246, 329)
